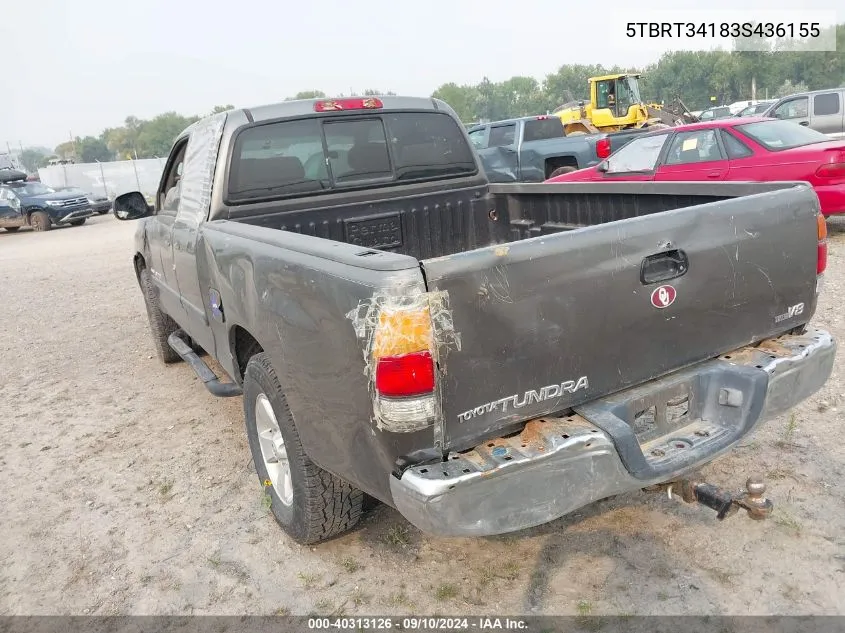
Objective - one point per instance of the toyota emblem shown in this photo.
(663, 297)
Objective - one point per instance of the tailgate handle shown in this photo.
(664, 266)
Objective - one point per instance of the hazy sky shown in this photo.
(78, 66)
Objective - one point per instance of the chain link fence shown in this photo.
(110, 179)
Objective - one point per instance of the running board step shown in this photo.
(203, 371)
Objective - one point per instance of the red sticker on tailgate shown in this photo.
(663, 297)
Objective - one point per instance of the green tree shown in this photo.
(463, 99)
(156, 136)
(221, 108)
(66, 150)
(307, 94)
(31, 158)
(90, 149)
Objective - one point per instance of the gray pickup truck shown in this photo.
(484, 358)
(535, 148)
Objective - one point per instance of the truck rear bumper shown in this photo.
(645, 435)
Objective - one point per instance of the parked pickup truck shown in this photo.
(483, 358)
(533, 149)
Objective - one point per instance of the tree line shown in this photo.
(699, 78)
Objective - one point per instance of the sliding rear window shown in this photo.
(309, 156)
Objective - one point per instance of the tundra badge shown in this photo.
(530, 397)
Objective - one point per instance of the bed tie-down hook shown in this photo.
(725, 503)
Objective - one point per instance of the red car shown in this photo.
(746, 149)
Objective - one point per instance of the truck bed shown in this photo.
(455, 220)
(541, 287)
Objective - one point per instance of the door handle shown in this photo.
(714, 174)
(804, 123)
(663, 266)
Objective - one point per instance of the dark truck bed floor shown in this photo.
(431, 225)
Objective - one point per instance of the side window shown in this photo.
(603, 95)
(639, 155)
(792, 109)
(825, 104)
(479, 138)
(734, 147)
(171, 190)
(706, 115)
(502, 135)
(357, 150)
(694, 147)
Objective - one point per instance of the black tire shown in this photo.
(562, 170)
(12, 229)
(323, 505)
(40, 221)
(161, 325)
(77, 222)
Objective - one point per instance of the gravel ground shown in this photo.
(128, 489)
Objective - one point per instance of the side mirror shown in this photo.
(131, 206)
(603, 166)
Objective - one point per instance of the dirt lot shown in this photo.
(127, 488)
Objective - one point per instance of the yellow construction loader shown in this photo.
(615, 104)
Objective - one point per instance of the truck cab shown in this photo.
(33, 204)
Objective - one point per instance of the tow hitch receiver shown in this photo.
(725, 503)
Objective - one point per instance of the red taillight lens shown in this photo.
(542, 117)
(831, 170)
(603, 148)
(406, 375)
(337, 105)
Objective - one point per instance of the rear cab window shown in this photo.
(542, 128)
(826, 104)
(502, 135)
(314, 155)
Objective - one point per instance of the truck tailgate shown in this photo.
(558, 320)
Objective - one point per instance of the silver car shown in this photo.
(820, 110)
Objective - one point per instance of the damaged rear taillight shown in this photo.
(821, 249)
(821, 232)
(405, 377)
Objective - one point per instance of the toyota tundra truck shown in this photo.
(481, 357)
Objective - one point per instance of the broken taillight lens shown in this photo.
(821, 251)
(406, 375)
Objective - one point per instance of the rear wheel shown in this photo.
(161, 325)
(562, 170)
(12, 229)
(310, 504)
(77, 222)
(40, 221)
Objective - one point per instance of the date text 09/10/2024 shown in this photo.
(417, 623)
(723, 29)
